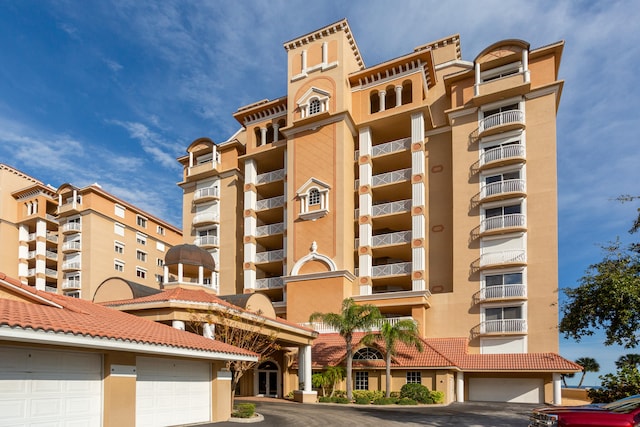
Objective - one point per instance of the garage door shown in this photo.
(46, 387)
(522, 390)
(171, 392)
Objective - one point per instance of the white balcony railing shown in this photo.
(388, 147)
(502, 118)
(31, 254)
(503, 257)
(270, 256)
(391, 177)
(206, 241)
(323, 328)
(203, 193)
(502, 221)
(503, 187)
(205, 217)
(52, 237)
(72, 265)
(31, 272)
(51, 255)
(31, 237)
(71, 284)
(503, 291)
(504, 325)
(50, 272)
(265, 178)
(502, 153)
(398, 269)
(71, 246)
(271, 229)
(71, 226)
(274, 202)
(269, 283)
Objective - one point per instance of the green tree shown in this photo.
(565, 376)
(608, 296)
(625, 382)
(589, 364)
(405, 331)
(334, 375)
(352, 317)
(632, 359)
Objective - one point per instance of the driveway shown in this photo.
(279, 413)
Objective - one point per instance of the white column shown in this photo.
(476, 87)
(383, 100)
(180, 272)
(325, 53)
(557, 389)
(418, 222)
(250, 224)
(276, 128)
(208, 330)
(201, 275)
(263, 136)
(365, 261)
(178, 324)
(398, 96)
(306, 367)
(525, 65)
(459, 386)
(166, 274)
(190, 159)
(304, 61)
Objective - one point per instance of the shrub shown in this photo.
(417, 392)
(245, 410)
(325, 399)
(385, 401)
(406, 401)
(437, 396)
(340, 393)
(340, 400)
(394, 394)
(362, 401)
(370, 395)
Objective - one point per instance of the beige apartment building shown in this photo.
(425, 185)
(69, 240)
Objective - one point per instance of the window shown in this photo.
(141, 256)
(118, 229)
(141, 221)
(141, 238)
(503, 216)
(160, 230)
(314, 200)
(73, 294)
(159, 278)
(367, 353)
(505, 182)
(503, 148)
(119, 211)
(502, 109)
(314, 197)
(503, 285)
(118, 247)
(362, 380)
(118, 265)
(314, 106)
(160, 246)
(414, 377)
(159, 262)
(500, 72)
(141, 273)
(503, 313)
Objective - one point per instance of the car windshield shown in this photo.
(623, 406)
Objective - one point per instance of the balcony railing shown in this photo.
(51, 255)
(265, 178)
(50, 272)
(388, 208)
(502, 118)
(72, 265)
(206, 193)
(271, 229)
(52, 237)
(502, 153)
(269, 283)
(323, 328)
(270, 256)
(71, 284)
(502, 187)
(504, 325)
(502, 291)
(71, 246)
(502, 221)
(274, 202)
(205, 217)
(206, 241)
(388, 147)
(391, 177)
(517, 256)
(71, 226)
(398, 269)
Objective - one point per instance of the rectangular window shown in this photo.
(159, 262)
(362, 380)
(118, 247)
(119, 211)
(160, 246)
(141, 273)
(73, 294)
(141, 256)
(141, 239)
(160, 230)
(159, 278)
(141, 221)
(414, 377)
(118, 229)
(118, 266)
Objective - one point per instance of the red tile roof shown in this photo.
(329, 350)
(48, 312)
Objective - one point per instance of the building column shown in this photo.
(557, 389)
(276, 128)
(180, 272)
(250, 223)
(476, 86)
(398, 96)
(201, 275)
(525, 65)
(325, 53)
(306, 394)
(208, 330)
(418, 208)
(263, 136)
(383, 100)
(365, 258)
(460, 387)
(178, 324)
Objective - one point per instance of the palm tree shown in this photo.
(351, 318)
(588, 364)
(404, 331)
(631, 359)
(565, 376)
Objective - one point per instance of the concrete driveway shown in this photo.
(279, 413)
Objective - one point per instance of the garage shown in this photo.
(520, 390)
(44, 387)
(171, 392)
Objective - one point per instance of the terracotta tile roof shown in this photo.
(329, 350)
(50, 312)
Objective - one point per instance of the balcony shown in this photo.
(503, 189)
(503, 155)
(50, 272)
(206, 241)
(509, 257)
(273, 176)
(52, 237)
(205, 218)
(401, 206)
(398, 269)
(204, 166)
(501, 222)
(273, 202)
(269, 230)
(206, 194)
(503, 326)
(501, 122)
(51, 255)
(71, 246)
(270, 283)
(388, 148)
(323, 328)
(71, 227)
(389, 239)
(392, 177)
(71, 284)
(270, 256)
(492, 293)
(71, 266)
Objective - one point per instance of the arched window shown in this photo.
(314, 197)
(390, 97)
(269, 134)
(281, 124)
(258, 137)
(314, 106)
(407, 96)
(374, 101)
(368, 353)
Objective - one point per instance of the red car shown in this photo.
(621, 413)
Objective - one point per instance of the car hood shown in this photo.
(560, 409)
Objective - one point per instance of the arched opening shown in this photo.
(374, 101)
(268, 379)
(258, 136)
(390, 97)
(269, 134)
(281, 124)
(407, 95)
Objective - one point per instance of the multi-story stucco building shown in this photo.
(69, 239)
(425, 185)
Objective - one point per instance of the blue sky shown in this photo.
(114, 91)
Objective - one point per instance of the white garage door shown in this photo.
(522, 390)
(50, 388)
(171, 392)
